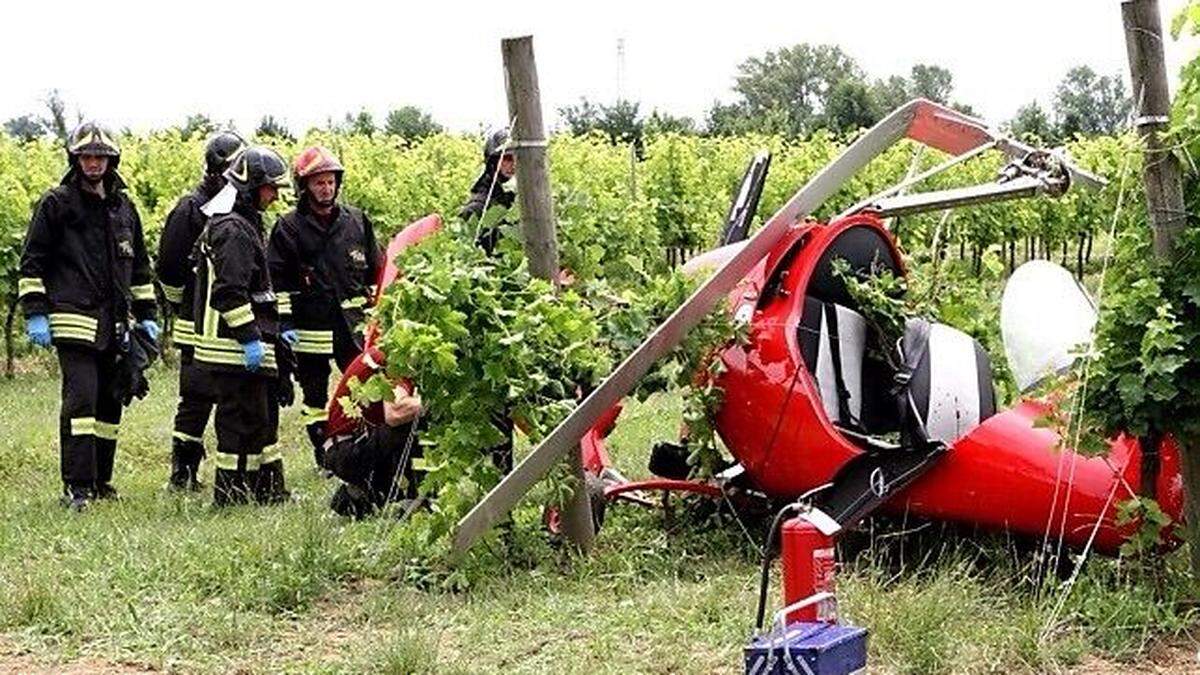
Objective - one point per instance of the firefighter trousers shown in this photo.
(313, 370)
(249, 463)
(378, 466)
(197, 397)
(89, 416)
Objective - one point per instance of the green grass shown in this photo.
(160, 580)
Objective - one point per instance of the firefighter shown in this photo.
(499, 166)
(84, 284)
(237, 330)
(324, 264)
(379, 464)
(175, 270)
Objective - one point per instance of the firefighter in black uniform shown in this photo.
(379, 464)
(489, 189)
(488, 193)
(237, 328)
(176, 276)
(324, 265)
(84, 282)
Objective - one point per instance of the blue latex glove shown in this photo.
(254, 351)
(292, 337)
(37, 327)
(149, 327)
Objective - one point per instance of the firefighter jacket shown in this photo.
(84, 264)
(324, 276)
(175, 267)
(492, 193)
(234, 303)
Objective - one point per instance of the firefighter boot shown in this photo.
(351, 501)
(76, 497)
(269, 487)
(233, 486)
(185, 465)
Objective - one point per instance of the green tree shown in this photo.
(851, 106)
(666, 123)
(25, 128)
(361, 122)
(891, 93)
(1089, 104)
(57, 119)
(932, 82)
(1032, 123)
(794, 81)
(270, 127)
(197, 125)
(620, 121)
(410, 122)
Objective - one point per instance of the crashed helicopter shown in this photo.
(811, 409)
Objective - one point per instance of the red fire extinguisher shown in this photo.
(808, 569)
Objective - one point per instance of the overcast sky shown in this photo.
(150, 64)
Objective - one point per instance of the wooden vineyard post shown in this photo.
(537, 225)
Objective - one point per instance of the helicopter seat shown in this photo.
(833, 341)
(946, 387)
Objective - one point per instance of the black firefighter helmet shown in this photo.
(222, 147)
(90, 138)
(253, 168)
(495, 144)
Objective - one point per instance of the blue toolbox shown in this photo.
(808, 649)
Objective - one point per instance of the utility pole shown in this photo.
(1162, 177)
(528, 141)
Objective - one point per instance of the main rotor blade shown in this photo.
(565, 438)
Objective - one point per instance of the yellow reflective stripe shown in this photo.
(314, 342)
(27, 285)
(312, 415)
(73, 334)
(270, 454)
(106, 430)
(172, 293)
(142, 291)
(229, 462)
(239, 316)
(283, 302)
(225, 358)
(354, 303)
(209, 325)
(187, 437)
(73, 319)
(185, 332)
(73, 326)
(83, 426)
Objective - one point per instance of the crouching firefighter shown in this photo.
(84, 280)
(324, 264)
(176, 276)
(377, 456)
(237, 329)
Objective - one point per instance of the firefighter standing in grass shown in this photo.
(176, 275)
(84, 284)
(237, 328)
(324, 263)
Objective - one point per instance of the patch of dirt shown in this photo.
(17, 661)
(1174, 658)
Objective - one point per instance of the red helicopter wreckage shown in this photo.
(810, 411)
